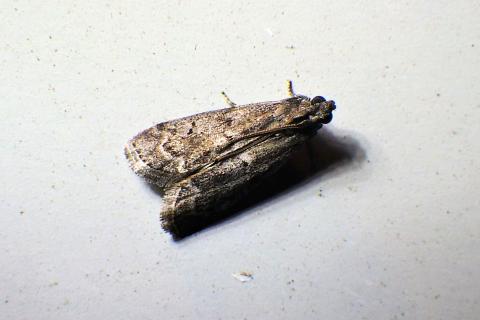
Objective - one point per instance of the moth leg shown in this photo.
(227, 100)
(290, 89)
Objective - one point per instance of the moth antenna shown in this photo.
(293, 94)
(290, 88)
(227, 100)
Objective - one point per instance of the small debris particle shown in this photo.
(22, 212)
(291, 47)
(352, 188)
(243, 276)
(438, 94)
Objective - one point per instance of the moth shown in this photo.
(206, 163)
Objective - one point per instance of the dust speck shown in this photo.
(243, 276)
(352, 188)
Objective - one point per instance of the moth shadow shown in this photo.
(324, 154)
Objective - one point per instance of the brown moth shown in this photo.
(203, 164)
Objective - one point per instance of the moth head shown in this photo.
(323, 108)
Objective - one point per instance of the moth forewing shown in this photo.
(222, 185)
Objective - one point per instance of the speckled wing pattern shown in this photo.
(204, 162)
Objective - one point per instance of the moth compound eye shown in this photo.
(327, 118)
(318, 99)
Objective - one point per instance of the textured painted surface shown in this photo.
(386, 226)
